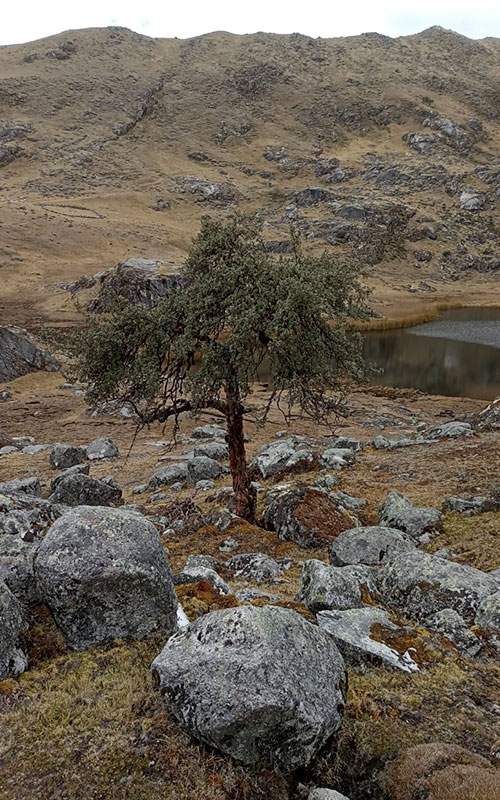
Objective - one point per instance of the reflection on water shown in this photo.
(433, 358)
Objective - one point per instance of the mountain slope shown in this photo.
(113, 145)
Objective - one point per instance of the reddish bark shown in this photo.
(246, 495)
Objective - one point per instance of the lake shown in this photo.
(458, 354)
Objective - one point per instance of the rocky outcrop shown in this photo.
(19, 355)
(79, 489)
(138, 281)
(372, 545)
(323, 587)
(262, 685)
(104, 575)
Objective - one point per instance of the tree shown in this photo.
(203, 346)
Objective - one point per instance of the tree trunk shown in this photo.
(246, 495)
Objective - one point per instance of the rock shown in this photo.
(371, 545)
(471, 201)
(216, 450)
(349, 502)
(262, 685)
(82, 490)
(281, 456)
(441, 771)
(383, 443)
(32, 449)
(202, 468)
(15, 523)
(488, 617)
(306, 516)
(249, 594)
(101, 448)
(489, 418)
(348, 443)
(104, 574)
(449, 430)
(471, 505)
(365, 637)
(13, 661)
(195, 574)
(200, 560)
(453, 627)
(17, 558)
(419, 585)
(228, 545)
(205, 486)
(63, 456)
(326, 794)
(77, 469)
(337, 458)
(256, 566)
(323, 587)
(5, 395)
(209, 432)
(5, 451)
(169, 475)
(137, 281)
(398, 512)
(326, 482)
(19, 356)
(29, 486)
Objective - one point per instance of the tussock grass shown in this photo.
(428, 315)
(473, 540)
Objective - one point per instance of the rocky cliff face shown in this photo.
(113, 145)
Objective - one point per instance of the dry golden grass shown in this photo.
(473, 540)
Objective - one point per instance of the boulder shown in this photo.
(104, 574)
(248, 594)
(488, 617)
(19, 356)
(369, 545)
(101, 448)
(441, 771)
(337, 458)
(326, 794)
(256, 566)
(167, 476)
(205, 486)
(419, 584)
(202, 468)
(348, 502)
(217, 451)
(489, 418)
(452, 627)
(16, 568)
(306, 516)
(29, 486)
(63, 456)
(196, 573)
(262, 685)
(394, 503)
(366, 637)
(398, 512)
(200, 560)
(13, 660)
(77, 469)
(137, 281)
(323, 587)
(82, 490)
(209, 432)
(283, 455)
(471, 505)
(449, 430)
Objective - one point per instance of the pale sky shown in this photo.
(25, 20)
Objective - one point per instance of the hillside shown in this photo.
(113, 145)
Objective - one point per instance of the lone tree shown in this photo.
(203, 346)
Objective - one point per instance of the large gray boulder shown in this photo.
(19, 355)
(488, 616)
(209, 432)
(472, 505)
(449, 430)
(394, 504)
(370, 545)
(29, 486)
(418, 585)
(168, 475)
(337, 458)
(63, 456)
(398, 512)
(218, 451)
(262, 685)
(17, 559)
(323, 587)
(83, 490)
(282, 456)
(452, 627)
(359, 634)
(13, 660)
(101, 448)
(77, 469)
(202, 468)
(256, 566)
(104, 574)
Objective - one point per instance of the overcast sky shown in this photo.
(26, 20)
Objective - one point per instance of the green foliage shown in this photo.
(207, 341)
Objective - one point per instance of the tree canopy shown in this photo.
(203, 346)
